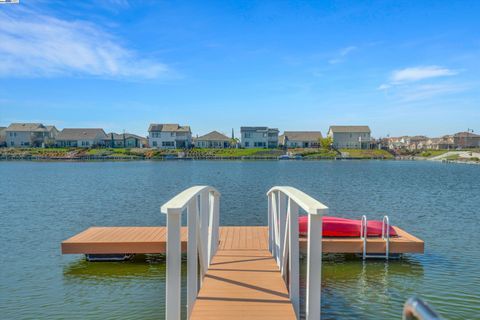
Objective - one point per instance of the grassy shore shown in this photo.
(195, 153)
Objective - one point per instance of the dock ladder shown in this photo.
(385, 237)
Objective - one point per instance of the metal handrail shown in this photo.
(385, 236)
(416, 308)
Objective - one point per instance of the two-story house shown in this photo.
(169, 136)
(27, 134)
(259, 137)
(350, 137)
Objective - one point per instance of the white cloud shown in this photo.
(342, 55)
(429, 91)
(36, 45)
(420, 73)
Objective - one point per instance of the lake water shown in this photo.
(43, 203)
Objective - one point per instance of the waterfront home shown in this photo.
(445, 142)
(124, 140)
(350, 137)
(169, 136)
(300, 139)
(81, 137)
(259, 137)
(466, 140)
(28, 134)
(3, 135)
(213, 139)
(416, 142)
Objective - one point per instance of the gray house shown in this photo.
(28, 134)
(350, 137)
(169, 136)
(300, 139)
(213, 139)
(259, 137)
(81, 137)
(124, 140)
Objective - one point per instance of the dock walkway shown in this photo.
(243, 280)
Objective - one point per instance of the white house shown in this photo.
(169, 136)
(350, 137)
(213, 139)
(300, 139)
(259, 137)
(81, 137)
(27, 134)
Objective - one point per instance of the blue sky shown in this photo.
(402, 67)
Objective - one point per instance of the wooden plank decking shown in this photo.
(243, 281)
(111, 240)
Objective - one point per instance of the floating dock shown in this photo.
(144, 240)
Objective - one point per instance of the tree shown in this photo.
(326, 143)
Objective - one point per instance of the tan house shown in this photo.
(213, 139)
(300, 139)
(81, 137)
(125, 140)
(29, 134)
(350, 137)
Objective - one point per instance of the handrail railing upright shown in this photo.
(202, 204)
(283, 209)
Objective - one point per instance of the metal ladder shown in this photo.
(385, 236)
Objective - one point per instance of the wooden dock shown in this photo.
(243, 280)
(117, 240)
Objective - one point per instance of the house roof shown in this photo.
(50, 128)
(466, 135)
(168, 127)
(346, 129)
(81, 133)
(119, 136)
(213, 136)
(257, 129)
(302, 135)
(27, 127)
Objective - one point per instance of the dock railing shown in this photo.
(202, 205)
(283, 209)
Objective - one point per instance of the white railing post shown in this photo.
(294, 263)
(282, 216)
(192, 256)
(174, 264)
(314, 263)
(204, 217)
(270, 227)
(213, 227)
(275, 236)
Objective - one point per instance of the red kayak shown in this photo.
(341, 227)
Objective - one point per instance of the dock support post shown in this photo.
(192, 256)
(174, 265)
(314, 266)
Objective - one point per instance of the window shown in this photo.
(168, 144)
(172, 134)
(247, 134)
(154, 143)
(247, 144)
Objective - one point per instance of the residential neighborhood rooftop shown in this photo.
(213, 136)
(26, 127)
(168, 127)
(302, 135)
(340, 129)
(80, 133)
